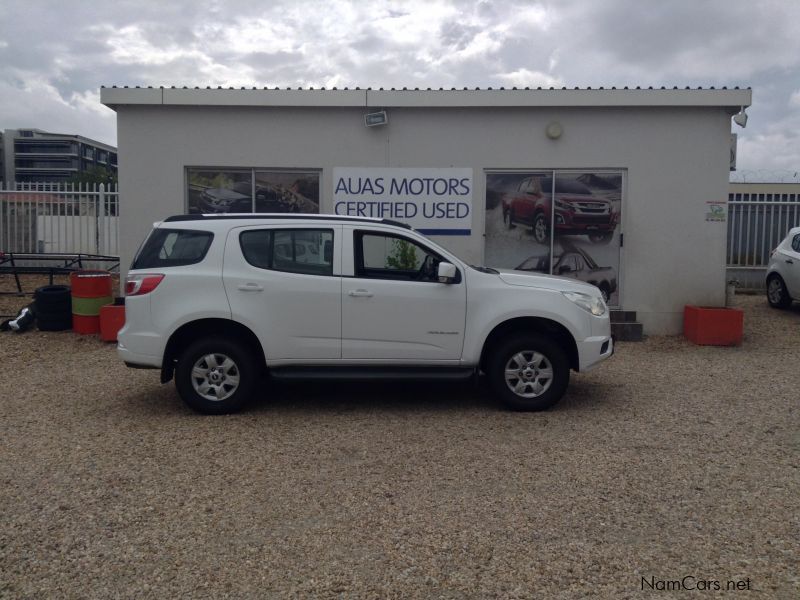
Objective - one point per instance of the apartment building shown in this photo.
(33, 155)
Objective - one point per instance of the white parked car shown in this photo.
(217, 301)
(783, 272)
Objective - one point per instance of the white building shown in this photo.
(640, 177)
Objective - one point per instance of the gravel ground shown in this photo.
(668, 461)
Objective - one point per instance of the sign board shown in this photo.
(716, 211)
(432, 201)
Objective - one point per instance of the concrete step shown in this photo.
(627, 331)
(623, 316)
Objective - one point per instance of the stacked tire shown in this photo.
(53, 308)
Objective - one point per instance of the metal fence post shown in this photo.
(100, 202)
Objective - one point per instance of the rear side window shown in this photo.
(173, 248)
(306, 251)
(796, 243)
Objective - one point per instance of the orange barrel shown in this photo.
(90, 291)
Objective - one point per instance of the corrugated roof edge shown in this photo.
(416, 89)
(394, 98)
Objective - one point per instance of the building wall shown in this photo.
(676, 159)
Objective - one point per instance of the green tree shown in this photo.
(403, 256)
(96, 175)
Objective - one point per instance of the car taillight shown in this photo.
(139, 285)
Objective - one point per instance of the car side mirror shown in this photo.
(447, 272)
(564, 269)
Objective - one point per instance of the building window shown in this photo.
(238, 190)
(563, 222)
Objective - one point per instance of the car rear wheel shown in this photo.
(777, 294)
(215, 376)
(528, 372)
(606, 291)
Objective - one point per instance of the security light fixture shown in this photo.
(376, 119)
(740, 118)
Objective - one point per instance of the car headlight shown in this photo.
(592, 304)
(563, 205)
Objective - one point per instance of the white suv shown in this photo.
(217, 301)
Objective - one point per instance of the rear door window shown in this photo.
(305, 251)
(173, 248)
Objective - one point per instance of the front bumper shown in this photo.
(594, 350)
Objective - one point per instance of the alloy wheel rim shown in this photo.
(215, 377)
(775, 292)
(529, 374)
(540, 230)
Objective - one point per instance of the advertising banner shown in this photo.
(432, 201)
(216, 191)
(574, 233)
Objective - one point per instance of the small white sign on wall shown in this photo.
(716, 211)
(432, 201)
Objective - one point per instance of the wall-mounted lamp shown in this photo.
(554, 130)
(740, 118)
(376, 119)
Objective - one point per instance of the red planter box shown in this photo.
(112, 318)
(710, 326)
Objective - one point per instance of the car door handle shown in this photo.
(251, 287)
(360, 293)
(791, 262)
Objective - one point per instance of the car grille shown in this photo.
(597, 208)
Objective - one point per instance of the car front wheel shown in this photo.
(215, 376)
(528, 372)
(601, 238)
(540, 229)
(777, 294)
(508, 219)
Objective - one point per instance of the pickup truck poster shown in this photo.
(520, 214)
(433, 201)
(216, 191)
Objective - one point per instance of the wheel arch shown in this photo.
(540, 325)
(194, 330)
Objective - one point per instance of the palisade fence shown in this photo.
(84, 218)
(757, 223)
(59, 217)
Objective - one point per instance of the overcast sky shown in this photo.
(54, 56)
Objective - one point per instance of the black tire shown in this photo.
(244, 367)
(541, 229)
(601, 238)
(508, 219)
(45, 323)
(540, 354)
(53, 299)
(777, 294)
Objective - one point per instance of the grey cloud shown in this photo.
(614, 42)
(458, 35)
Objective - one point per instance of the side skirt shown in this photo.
(362, 373)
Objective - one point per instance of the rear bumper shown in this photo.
(138, 361)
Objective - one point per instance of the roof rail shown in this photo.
(296, 216)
